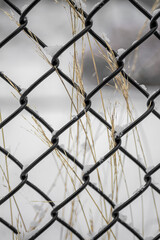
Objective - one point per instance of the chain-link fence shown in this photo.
(87, 99)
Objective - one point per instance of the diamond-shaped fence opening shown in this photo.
(75, 158)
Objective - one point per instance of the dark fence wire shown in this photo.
(150, 108)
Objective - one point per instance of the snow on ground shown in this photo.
(21, 62)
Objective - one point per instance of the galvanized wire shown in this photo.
(87, 97)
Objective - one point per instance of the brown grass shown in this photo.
(117, 161)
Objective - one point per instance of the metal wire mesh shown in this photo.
(87, 97)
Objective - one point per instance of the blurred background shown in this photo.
(118, 22)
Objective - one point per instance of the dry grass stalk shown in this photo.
(121, 85)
